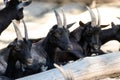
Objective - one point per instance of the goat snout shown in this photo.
(69, 47)
(29, 61)
(96, 47)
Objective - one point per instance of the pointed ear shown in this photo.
(103, 26)
(81, 23)
(70, 25)
(112, 24)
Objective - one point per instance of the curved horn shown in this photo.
(24, 4)
(59, 21)
(61, 70)
(67, 74)
(25, 28)
(64, 19)
(93, 18)
(18, 33)
(99, 19)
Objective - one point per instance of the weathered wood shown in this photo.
(85, 69)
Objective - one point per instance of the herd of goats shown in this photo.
(23, 56)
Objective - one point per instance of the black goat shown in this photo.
(107, 35)
(12, 10)
(110, 34)
(90, 40)
(18, 50)
(62, 57)
(43, 51)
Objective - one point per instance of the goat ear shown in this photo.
(81, 23)
(11, 44)
(103, 26)
(54, 27)
(70, 25)
(112, 24)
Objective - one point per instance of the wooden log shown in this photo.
(89, 68)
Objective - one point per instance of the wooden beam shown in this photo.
(89, 68)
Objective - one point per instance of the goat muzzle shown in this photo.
(96, 47)
(29, 61)
(69, 47)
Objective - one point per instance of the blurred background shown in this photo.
(39, 17)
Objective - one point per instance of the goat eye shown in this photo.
(17, 47)
(57, 34)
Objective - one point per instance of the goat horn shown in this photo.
(67, 75)
(61, 70)
(99, 19)
(93, 18)
(59, 21)
(25, 28)
(18, 33)
(24, 4)
(64, 19)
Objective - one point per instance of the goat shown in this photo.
(110, 34)
(13, 10)
(18, 50)
(90, 40)
(62, 57)
(43, 51)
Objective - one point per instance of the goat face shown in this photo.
(60, 37)
(16, 8)
(91, 36)
(95, 43)
(21, 51)
(21, 47)
(60, 34)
